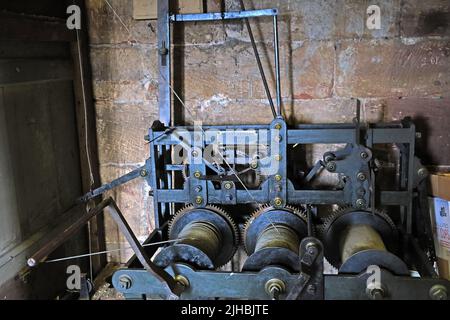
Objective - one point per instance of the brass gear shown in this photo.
(266, 207)
(328, 221)
(215, 209)
(346, 209)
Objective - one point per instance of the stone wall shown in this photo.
(327, 55)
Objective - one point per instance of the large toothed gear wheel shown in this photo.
(272, 237)
(208, 238)
(354, 239)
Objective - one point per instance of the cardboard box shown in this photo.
(440, 186)
(147, 9)
(440, 217)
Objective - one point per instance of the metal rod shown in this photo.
(164, 63)
(64, 233)
(258, 61)
(223, 15)
(136, 173)
(277, 63)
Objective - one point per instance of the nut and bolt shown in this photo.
(360, 203)
(182, 280)
(254, 164)
(331, 166)
(278, 138)
(275, 287)
(143, 173)
(311, 248)
(361, 176)
(278, 177)
(278, 201)
(198, 200)
(228, 185)
(125, 282)
(422, 172)
(197, 174)
(364, 155)
(438, 292)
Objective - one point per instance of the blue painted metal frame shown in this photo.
(223, 15)
(267, 193)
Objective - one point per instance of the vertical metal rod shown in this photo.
(164, 62)
(277, 63)
(258, 62)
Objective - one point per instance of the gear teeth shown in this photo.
(328, 221)
(263, 208)
(215, 209)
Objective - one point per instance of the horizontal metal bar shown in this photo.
(223, 15)
(136, 173)
(251, 285)
(309, 136)
(393, 135)
(293, 196)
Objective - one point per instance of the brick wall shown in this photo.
(327, 58)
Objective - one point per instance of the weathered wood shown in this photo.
(34, 70)
(33, 28)
(85, 113)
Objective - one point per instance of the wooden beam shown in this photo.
(85, 113)
(33, 28)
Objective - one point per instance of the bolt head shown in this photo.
(278, 177)
(198, 200)
(361, 176)
(125, 282)
(278, 201)
(331, 166)
(422, 172)
(143, 173)
(438, 292)
(182, 280)
(278, 157)
(277, 126)
(360, 203)
(197, 174)
(254, 164)
(364, 155)
(194, 153)
(278, 138)
(228, 185)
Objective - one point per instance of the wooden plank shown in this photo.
(85, 113)
(18, 49)
(33, 28)
(34, 70)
